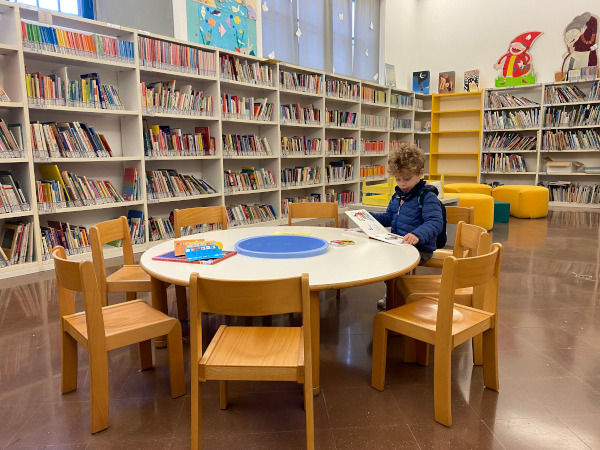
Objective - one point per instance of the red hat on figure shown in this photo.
(527, 38)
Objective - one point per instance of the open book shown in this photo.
(372, 227)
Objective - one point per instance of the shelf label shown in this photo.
(45, 16)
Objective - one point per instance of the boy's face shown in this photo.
(407, 182)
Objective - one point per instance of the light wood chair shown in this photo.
(470, 240)
(250, 353)
(199, 216)
(445, 324)
(100, 329)
(130, 278)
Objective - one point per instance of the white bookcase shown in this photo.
(376, 124)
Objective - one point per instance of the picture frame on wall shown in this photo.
(390, 75)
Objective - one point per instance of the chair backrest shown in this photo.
(471, 240)
(102, 233)
(71, 277)
(199, 216)
(313, 210)
(455, 214)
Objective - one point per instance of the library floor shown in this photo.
(549, 359)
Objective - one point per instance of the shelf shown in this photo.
(91, 207)
(377, 155)
(338, 183)
(337, 127)
(115, 112)
(576, 127)
(177, 158)
(401, 108)
(173, 73)
(507, 173)
(375, 105)
(458, 111)
(6, 49)
(570, 151)
(253, 122)
(509, 130)
(13, 160)
(226, 157)
(180, 199)
(43, 55)
(233, 83)
(11, 105)
(422, 132)
(353, 155)
(583, 102)
(455, 131)
(300, 93)
(68, 160)
(402, 131)
(301, 156)
(508, 151)
(301, 125)
(254, 191)
(180, 116)
(575, 205)
(569, 174)
(422, 111)
(375, 130)
(506, 108)
(16, 214)
(470, 175)
(341, 100)
(304, 186)
(453, 153)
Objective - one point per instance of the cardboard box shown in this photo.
(562, 166)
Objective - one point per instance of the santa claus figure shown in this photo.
(517, 62)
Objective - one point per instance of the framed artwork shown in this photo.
(9, 238)
(447, 83)
(421, 82)
(390, 75)
(471, 82)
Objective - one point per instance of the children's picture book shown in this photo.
(170, 256)
(341, 242)
(390, 75)
(421, 82)
(447, 83)
(372, 227)
(471, 80)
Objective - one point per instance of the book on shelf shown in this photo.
(338, 171)
(505, 100)
(250, 214)
(160, 229)
(447, 83)
(3, 95)
(74, 238)
(16, 242)
(342, 146)
(163, 140)
(372, 228)
(301, 145)
(471, 80)
(46, 90)
(566, 191)
(249, 179)
(11, 140)
(67, 140)
(421, 82)
(168, 183)
(159, 54)
(245, 145)
(131, 185)
(162, 97)
(12, 198)
(137, 226)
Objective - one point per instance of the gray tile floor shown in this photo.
(549, 358)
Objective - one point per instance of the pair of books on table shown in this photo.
(370, 227)
(181, 252)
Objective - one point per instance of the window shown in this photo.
(83, 8)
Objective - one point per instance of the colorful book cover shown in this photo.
(447, 83)
(421, 82)
(170, 256)
(471, 80)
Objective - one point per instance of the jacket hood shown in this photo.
(421, 185)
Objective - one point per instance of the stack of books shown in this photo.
(285, 202)
(249, 179)
(11, 140)
(401, 101)
(160, 229)
(584, 115)
(342, 146)
(249, 214)
(343, 198)
(45, 90)
(162, 97)
(341, 89)
(370, 95)
(67, 140)
(300, 114)
(372, 171)
(247, 145)
(168, 183)
(90, 93)
(16, 243)
(571, 140)
(12, 198)
(372, 147)
(373, 121)
(162, 140)
(300, 146)
(397, 123)
(158, 54)
(497, 100)
(73, 238)
(300, 176)
(302, 82)
(247, 108)
(131, 185)
(503, 120)
(338, 171)
(340, 118)
(509, 141)
(255, 73)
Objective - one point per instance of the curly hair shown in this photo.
(406, 160)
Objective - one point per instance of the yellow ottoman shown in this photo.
(470, 188)
(526, 202)
(483, 204)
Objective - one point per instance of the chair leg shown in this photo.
(175, 347)
(410, 350)
(196, 415)
(145, 350)
(477, 343)
(310, 417)
(181, 297)
(338, 294)
(129, 296)
(422, 350)
(98, 391)
(223, 394)
(68, 363)
(380, 335)
(441, 384)
(490, 359)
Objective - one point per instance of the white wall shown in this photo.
(443, 35)
(155, 16)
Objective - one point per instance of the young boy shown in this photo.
(419, 222)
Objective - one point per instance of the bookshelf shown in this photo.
(455, 137)
(184, 112)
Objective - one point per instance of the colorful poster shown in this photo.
(581, 39)
(227, 24)
(517, 69)
(471, 83)
(421, 82)
(447, 83)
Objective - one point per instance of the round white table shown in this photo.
(366, 262)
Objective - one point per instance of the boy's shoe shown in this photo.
(381, 303)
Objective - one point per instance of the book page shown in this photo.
(373, 228)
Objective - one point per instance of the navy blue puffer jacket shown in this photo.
(404, 215)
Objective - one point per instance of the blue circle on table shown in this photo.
(281, 246)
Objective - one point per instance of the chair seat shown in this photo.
(429, 284)
(418, 320)
(129, 278)
(124, 323)
(273, 353)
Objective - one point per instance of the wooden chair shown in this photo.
(130, 278)
(454, 214)
(470, 240)
(198, 216)
(250, 353)
(100, 329)
(445, 324)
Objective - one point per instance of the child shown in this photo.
(420, 226)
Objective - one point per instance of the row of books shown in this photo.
(67, 140)
(373, 121)
(372, 171)
(12, 197)
(249, 179)
(249, 214)
(300, 176)
(245, 145)
(162, 140)
(11, 140)
(301, 146)
(372, 147)
(370, 95)
(248, 108)
(300, 114)
(285, 202)
(499, 162)
(168, 183)
(343, 198)
(303, 82)
(202, 228)
(160, 229)
(506, 120)
(571, 140)
(45, 90)
(564, 94)
(3, 95)
(397, 123)
(584, 115)
(54, 39)
(90, 93)
(565, 191)
(401, 100)
(16, 243)
(505, 100)
(342, 146)
(341, 89)
(337, 171)
(132, 188)
(246, 72)
(419, 104)
(420, 126)
(589, 73)
(162, 97)
(158, 54)
(340, 118)
(509, 141)
(73, 238)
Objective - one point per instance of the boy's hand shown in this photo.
(410, 239)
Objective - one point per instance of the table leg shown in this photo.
(316, 343)
(159, 302)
